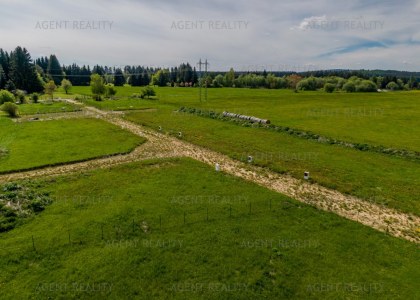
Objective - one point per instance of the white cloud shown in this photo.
(312, 23)
(141, 32)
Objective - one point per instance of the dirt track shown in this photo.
(160, 145)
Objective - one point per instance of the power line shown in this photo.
(111, 74)
(200, 80)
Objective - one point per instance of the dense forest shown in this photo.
(19, 72)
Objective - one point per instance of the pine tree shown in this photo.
(194, 79)
(98, 70)
(2, 78)
(5, 63)
(54, 70)
(22, 71)
(119, 79)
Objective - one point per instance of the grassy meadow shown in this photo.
(46, 107)
(390, 119)
(375, 177)
(177, 229)
(29, 145)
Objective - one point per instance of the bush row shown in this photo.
(305, 134)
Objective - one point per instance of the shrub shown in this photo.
(148, 91)
(20, 96)
(349, 87)
(310, 84)
(12, 186)
(10, 108)
(329, 87)
(6, 96)
(30, 203)
(366, 86)
(110, 90)
(392, 86)
(35, 97)
(39, 204)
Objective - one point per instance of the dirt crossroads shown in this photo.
(160, 145)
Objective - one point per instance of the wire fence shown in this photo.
(144, 226)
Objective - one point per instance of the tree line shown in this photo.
(19, 72)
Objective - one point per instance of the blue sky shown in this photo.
(243, 34)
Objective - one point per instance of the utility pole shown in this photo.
(205, 76)
(199, 79)
(200, 63)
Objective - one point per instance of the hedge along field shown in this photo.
(375, 177)
(35, 144)
(101, 237)
(390, 119)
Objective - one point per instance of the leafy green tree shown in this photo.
(97, 86)
(161, 78)
(6, 96)
(206, 81)
(329, 87)
(66, 85)
(229, 78)
(366, 86)
(218, 81)
(400, 83)
(310, 84)
(50, 88)
(392, 86)
(271, 81)
(349, 87)
(109, 78)
(293, 80)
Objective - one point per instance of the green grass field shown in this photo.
(375, 177)
(45, 107)
(391, 119)
(120, 233)
(29, 145)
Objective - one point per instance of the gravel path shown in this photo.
(160, 146)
